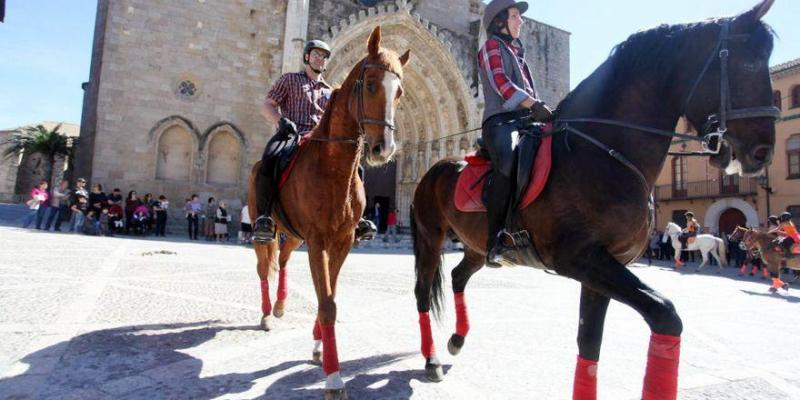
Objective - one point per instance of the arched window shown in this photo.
(793, 156)
(776, 99)
(174, 154)
(223, 159)
(796, 96)
(679, 177)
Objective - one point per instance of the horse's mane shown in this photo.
(325, 121)
(652, 53)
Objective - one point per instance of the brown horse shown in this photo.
(611, 138)
(323, 197)
(772, 257)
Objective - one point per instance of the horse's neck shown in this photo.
(336, 155)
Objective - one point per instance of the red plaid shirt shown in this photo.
(490, 60)
(301, 99)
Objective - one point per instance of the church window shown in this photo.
(187, 89)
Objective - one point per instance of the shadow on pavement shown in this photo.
(364, 385)
(781, 295)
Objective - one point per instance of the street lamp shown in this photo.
(763, 181)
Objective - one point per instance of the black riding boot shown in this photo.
(497, 208)
(366, 229)
(264, 227)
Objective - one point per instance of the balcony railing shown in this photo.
(707, 189)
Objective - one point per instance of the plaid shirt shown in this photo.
(491, 62)
(301, 99)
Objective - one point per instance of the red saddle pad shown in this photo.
(470, 185)
(288, 171)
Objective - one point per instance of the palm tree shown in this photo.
(37, 139)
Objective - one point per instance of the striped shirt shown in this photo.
(301, 99)
(491, 62)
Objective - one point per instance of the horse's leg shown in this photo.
(716, 252)
(471, 263)
(676, 245)
(704, 255)
(428, 292)
(773, 265)
(325, 264)
(288, 246)
(590, 336)
(266, 254)
(603, 273)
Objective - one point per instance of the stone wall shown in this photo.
(183, 69)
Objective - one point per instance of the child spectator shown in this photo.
(246, 228)
(104, 223)
(160, 207)
(140, 216)
(221, 221)
(90, 226)
(115, 214)
(37, 205)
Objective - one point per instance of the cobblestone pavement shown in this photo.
(90, 317)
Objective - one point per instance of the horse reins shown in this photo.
(358, 90)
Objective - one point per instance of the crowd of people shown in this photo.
(95, 212)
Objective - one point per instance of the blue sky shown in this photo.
(45, 45)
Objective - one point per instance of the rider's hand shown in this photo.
(541, 112)
(286, 126)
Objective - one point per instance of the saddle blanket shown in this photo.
(470, 182)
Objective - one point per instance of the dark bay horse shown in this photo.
(323, 197)
(764, 242)
(612, 136)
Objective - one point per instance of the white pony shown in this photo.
(705, 243)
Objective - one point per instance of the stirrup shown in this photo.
(504, 243)
(365, 230)
(263, 230)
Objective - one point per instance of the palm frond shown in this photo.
(38, 139)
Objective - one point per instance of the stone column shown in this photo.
(294, 36)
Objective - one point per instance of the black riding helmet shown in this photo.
(315, 44)
(785, 217)
(496, 7)
(773, 218)
(689, 214)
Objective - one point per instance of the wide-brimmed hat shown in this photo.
(497, 6)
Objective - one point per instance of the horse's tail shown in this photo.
(428, 260)
(723, 252)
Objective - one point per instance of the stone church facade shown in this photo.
(172, 105)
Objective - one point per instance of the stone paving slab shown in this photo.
(91, 317)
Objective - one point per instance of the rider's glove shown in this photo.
(541, 112)
(287, 127)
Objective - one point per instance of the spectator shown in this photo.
(376, 215)
(221, 221)
(246, 228)
(116, 196)
(653, 247)
(90, 225)
(80, 190)
(193, 209)
(59, 206)
(149, 202)
(140, 217)
(210, 218)
(391, 226)
(97, 199)
(79, 208)
(115, 217)
(160, 207)
(131, 203)
(104, 219)
(37, 205)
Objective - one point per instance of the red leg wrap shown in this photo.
(266, 305)
(777, 283)
(661, 377)
(317, 331)
(330, 360)
(462, 318)
(283, 291)
(585, 385)
(428, 350)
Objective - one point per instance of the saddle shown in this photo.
(284, 156)
(532, 172)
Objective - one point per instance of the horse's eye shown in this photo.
(371, 87)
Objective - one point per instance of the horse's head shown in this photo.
(377, 90)
(750, 238)
(738, 233)
(731, 99)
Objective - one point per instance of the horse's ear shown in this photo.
(374, 41)
(757, 12)
(405, 57)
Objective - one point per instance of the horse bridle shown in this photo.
(361, 120)
(711, 142)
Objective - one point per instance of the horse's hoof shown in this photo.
(278, 310)
(316, 357)
(266, 323)
(433, 370)
(335, 394)
(455, 344)
(772, 290)
(785, 287)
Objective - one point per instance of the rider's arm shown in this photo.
(277, 95)
(270, 111)
(491, 61)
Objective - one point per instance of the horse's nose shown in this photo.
(762, 154)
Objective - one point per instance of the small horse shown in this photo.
(610, 142)
(323, 197)
(764, 242)
(705, 243)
